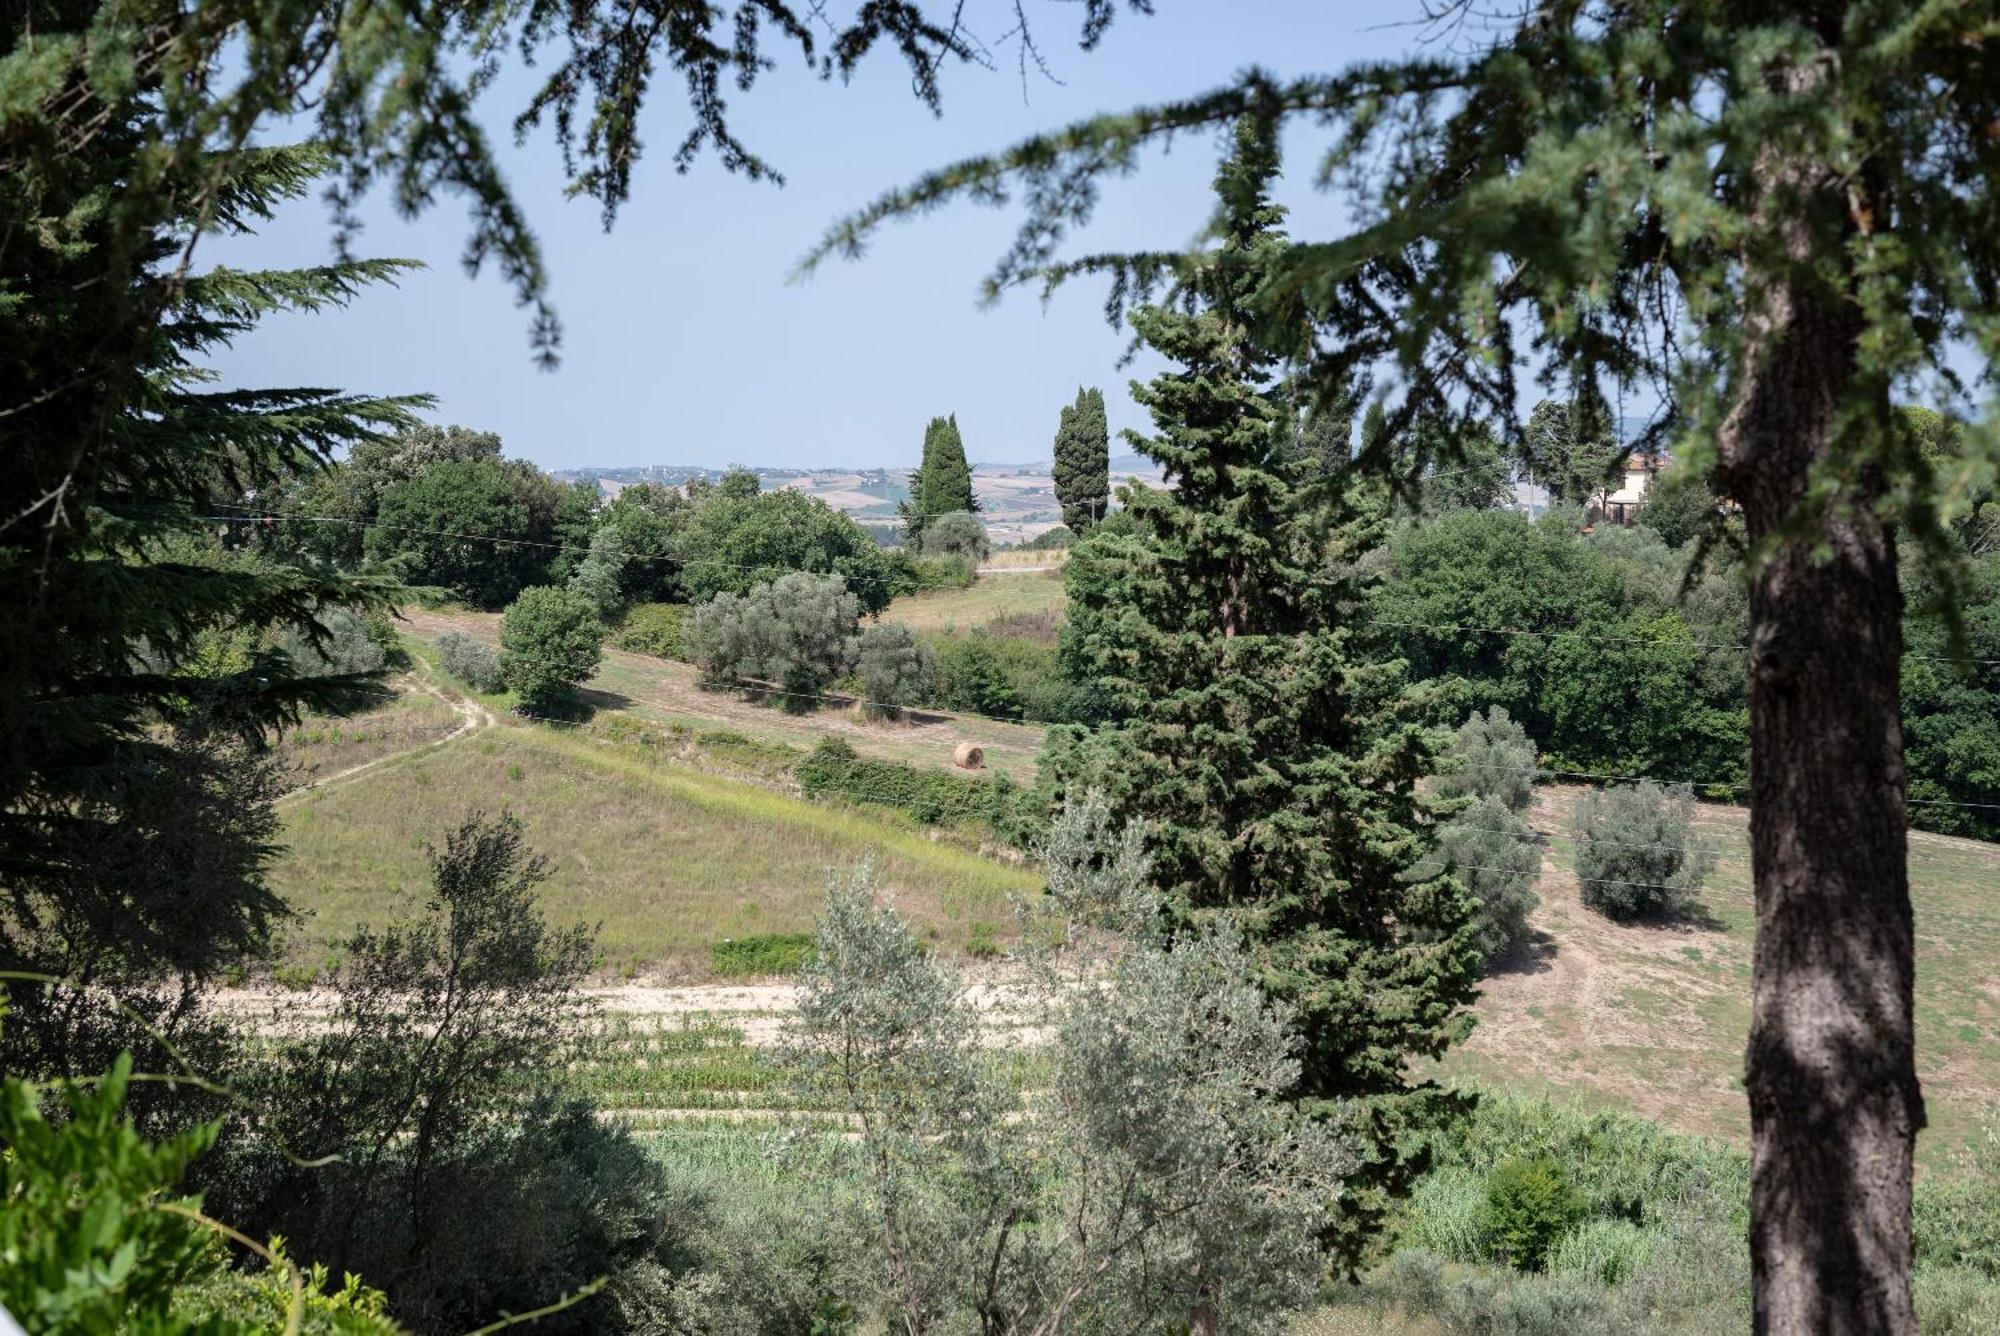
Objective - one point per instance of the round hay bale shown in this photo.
(968, 756)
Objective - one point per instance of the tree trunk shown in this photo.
(1831, 1065)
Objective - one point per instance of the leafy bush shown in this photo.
(798, 632)
(98, 1235)
(472, 662)
(958, 534)
(1050, 540)
(1498, 859)
(973, 677)
(1637, 853)
(550, 641)
(1529, 1205)
(1491, 758)
(735, 543)
(1607, 1251)
(933, 797)
(346, 643)
(655, 628)
(760, 953)
(913, 574)
(896, 668)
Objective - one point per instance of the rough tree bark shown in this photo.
(1831, 1065)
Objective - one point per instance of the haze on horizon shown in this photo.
(685, 343)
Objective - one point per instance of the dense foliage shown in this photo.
(551, 642)
(1082, 474)
(1161, 1180)
(1268, 756)
(794, 637)
(1637, 851)
(896, 669)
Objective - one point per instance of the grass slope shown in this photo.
(988, 599)
(1653, 1019)
(663, 692)
(666, 858)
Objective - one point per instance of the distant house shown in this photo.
(1620, 505)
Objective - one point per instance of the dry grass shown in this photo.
(1054, 556)
(1653, 1019)
(326, 745)
(989, 599)
(666, 859)
(662, 692)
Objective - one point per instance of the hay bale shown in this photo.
(968, 756)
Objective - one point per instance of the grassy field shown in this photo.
(1653, 1019)
(661, 692)
(667, 858)
(990, 599)
(323, 746)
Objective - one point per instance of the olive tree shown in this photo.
(1637, 852)
(797, 634)
(1491, 757)
(897, 669)
(1160, 1181)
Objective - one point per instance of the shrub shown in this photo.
(1529, 1206)
(1491, 757)
(959, 534)
(760, 953)
(797, 631)
(913, 574)
(1447, 1216)
(1637, 853)
(1050, 540)
(896, 668)
(600, 576)
(1606, 1251)
(550, 641)
(655, 628)
(933, 797)
(1498, 860)
(472, 662)
(345, 643)
(972, 676)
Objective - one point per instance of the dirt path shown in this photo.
(1017, 570)
(757, 1010)
(472, 716)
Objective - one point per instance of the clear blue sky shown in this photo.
(684, 342)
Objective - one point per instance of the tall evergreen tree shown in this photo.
(1774, 215)
(141, 667)
(942, 483)
(1268, 755)
(1083, 461)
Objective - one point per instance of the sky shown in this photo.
(685, 342)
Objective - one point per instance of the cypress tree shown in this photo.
(1083, 461)
(1268, 757)
(941, 484)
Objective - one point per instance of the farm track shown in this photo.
(472, 717)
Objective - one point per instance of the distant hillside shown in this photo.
(1017, 501)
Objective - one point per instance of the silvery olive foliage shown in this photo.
(1492, 757)
(1637, 851)
(1147, 1173)
(798, 631)
(897, 669)
(1498, 858)
(600, 576)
